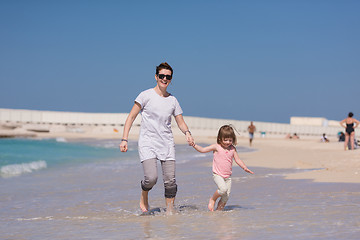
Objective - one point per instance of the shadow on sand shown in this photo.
(235, 207)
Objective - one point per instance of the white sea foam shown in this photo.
(18, 169)
(36, 218)
(201, 155)
(61, 139)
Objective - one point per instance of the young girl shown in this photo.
(224, 153)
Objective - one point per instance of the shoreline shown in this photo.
(325, 162)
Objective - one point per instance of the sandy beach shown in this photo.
(326, 162)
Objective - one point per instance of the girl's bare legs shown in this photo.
(221, 206)
(346, 141)
(144, 202)
(212, 201)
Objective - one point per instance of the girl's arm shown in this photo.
(128, 123)
(241, 163)
(210, 148)
(184, 128)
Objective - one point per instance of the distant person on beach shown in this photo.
(224, 153)
(341, 137)
(324, 138)
(251, 130)
(349, 124)
(295, 136)
(156, 141)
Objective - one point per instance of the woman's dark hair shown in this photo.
(351, 114)
(164, 65)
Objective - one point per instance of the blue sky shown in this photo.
(244, 60)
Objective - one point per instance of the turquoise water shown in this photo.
(24, 156)
(18, 151)
(21, 156)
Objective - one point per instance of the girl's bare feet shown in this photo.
(212, 200)
(211, 204)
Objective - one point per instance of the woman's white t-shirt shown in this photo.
(156, 139)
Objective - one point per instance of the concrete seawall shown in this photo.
(76, 122)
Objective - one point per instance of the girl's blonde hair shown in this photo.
(226, 131)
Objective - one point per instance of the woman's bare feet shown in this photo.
(144, 203)
(170, 210)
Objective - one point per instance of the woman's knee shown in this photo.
(170, 185)
(150, 174)
(148, 182)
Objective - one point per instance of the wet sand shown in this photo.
(301, 189)
(100, 201)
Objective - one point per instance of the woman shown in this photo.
(156, 140)
(349, 124)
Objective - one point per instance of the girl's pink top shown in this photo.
(223, 160)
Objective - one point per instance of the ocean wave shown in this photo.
(61, 139)
(19, 169)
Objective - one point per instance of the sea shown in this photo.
(88, 189)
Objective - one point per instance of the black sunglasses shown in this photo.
(162, 76)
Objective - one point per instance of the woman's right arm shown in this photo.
(128, 123)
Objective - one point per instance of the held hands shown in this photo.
(190, 139)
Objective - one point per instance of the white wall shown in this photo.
(198, 125)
